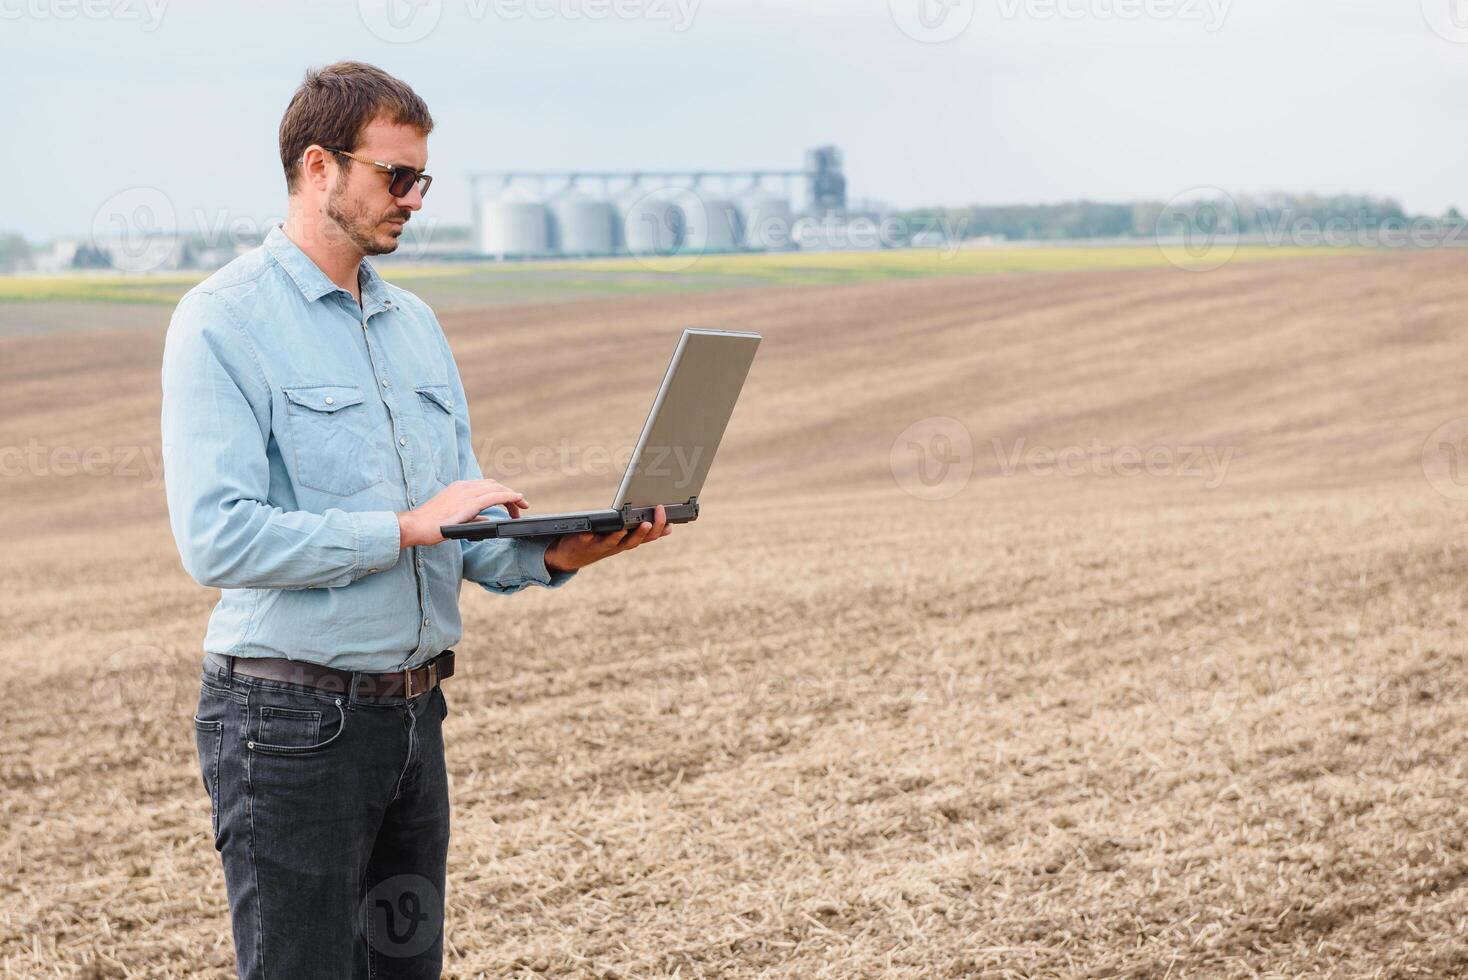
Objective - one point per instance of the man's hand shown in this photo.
(572, 551)
(457, 503)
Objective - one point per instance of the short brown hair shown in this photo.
(334, 104)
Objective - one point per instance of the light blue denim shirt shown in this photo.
(295, 425)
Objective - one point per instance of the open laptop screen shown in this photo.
(688, 418)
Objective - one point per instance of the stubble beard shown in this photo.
(358, 223)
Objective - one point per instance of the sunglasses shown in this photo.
(401, 179)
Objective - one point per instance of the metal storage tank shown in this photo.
(713, 223)
(581, 225)
(767, 220)
(513, 223)
(651, 222)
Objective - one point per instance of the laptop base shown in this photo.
(574, 522)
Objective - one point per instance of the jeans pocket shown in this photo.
(443, 704)
(288, 723)
(289, 726)
(208, 742)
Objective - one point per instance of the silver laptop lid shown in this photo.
(688, 418)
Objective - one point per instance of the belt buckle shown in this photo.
(408, 691)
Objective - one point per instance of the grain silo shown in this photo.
(712, 221)
(766, 218)
(651, 222)
(663, 213)
(513, 224)
(580, 225)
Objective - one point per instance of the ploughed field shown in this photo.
(1068, 622)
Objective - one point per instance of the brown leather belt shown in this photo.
(409, 684)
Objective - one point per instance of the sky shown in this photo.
(933, 102)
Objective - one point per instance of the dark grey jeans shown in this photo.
(331, 816)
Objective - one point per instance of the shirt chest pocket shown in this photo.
(331, 438)
(436, 402)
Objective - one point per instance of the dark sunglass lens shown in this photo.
(401, 183)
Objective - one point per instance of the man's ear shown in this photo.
(316, 167)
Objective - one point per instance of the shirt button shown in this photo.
(403, 441)
(371, 570)
(386, 383)
(420, 563)
(330, 400)
(427, 622)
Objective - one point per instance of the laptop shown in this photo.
(674, 452)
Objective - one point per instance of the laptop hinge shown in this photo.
(676, 513)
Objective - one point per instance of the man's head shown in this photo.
(364, 111)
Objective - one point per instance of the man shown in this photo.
(315, 435)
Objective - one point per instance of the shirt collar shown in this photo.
(314, 284)
(374, 289)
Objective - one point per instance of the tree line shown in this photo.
(1245, 215)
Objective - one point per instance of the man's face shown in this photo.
(359, 201)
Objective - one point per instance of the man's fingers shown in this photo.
(502, 495)
(483, 487)
(612, 540)
(638, 536)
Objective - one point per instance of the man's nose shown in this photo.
(412, 201)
